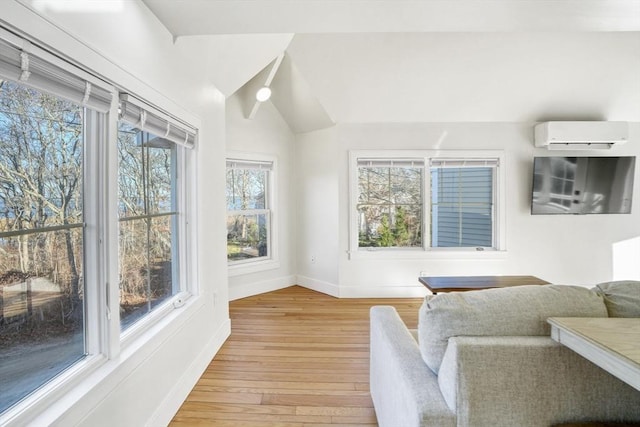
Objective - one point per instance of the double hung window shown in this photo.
(248, 210)
(57, 162)
(47, 282)
(425, 201)
(150, 159)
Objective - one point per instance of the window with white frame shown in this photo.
(46, 279)
(426, 200)
(462, 202)
(248, 195)
(150, 160)
(390, 202)
(55, 213)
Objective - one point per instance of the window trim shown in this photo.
(426, 251)
(272, 261)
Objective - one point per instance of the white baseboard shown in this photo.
(337, 291)
(251, 289)
(383, 291)
(256, 288)
(174, 399)
(319, 286)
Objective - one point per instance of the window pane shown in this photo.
(247, 236)
(248, 219)
(374, 185)
(145, 175)
(41, 272)
(147, 245)
(146, 276)
(462, 206)
(246, 189)
(390, 207)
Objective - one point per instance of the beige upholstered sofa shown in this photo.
(485, 358)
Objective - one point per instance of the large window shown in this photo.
(63, 297)
(42, 284)
(148, 222)
(152, 151)
(248, 210)
(425, 201)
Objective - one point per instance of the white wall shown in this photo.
(318, 188)
(268, 135)
(561, 249)
(127, 45)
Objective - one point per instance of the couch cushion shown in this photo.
(622, 298)
(514, 311)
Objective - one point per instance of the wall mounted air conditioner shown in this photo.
(585, 135)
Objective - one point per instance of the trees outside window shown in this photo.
(59, 215)
(426, 201)
(390, 203)
(147, 222)
(248, 210)
(42, 285)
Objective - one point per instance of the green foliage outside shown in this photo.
(399, 234)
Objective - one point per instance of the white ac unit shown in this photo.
(585, 135)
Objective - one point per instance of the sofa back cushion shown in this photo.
(622, 298)
(514, 311)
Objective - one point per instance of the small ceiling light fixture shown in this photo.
(263, 94)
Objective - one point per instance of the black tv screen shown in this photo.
(582, 185)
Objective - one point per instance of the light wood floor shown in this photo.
(295, 357)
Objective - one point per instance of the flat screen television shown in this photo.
(582, 185)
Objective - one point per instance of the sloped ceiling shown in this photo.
(231, 60)
(428, 60)
(495, 77)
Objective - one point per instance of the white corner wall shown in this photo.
(266, 135)
(318, 190)
(128, 46)
(561, 249)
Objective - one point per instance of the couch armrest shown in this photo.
(405, 392)
(529, 382)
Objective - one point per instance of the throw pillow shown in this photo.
(622, 298)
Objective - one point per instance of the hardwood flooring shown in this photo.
(295, 358)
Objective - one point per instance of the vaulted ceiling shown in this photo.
(421, 60)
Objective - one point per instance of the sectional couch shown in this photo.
(485, 358)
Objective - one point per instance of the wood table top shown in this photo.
(613, 343)
(469, 283)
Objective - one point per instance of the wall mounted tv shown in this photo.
(582, 185)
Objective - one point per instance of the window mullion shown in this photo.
(109, 187)
(94, 286)
(426, 205)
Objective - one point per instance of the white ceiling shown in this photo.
(200, 17)
(426, 60)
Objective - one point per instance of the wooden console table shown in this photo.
(474, 283)
(613, 343)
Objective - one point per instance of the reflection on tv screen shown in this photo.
(582, 185)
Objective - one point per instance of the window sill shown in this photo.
(442, 253)
(252, 267)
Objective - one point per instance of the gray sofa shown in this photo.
(485, 358)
